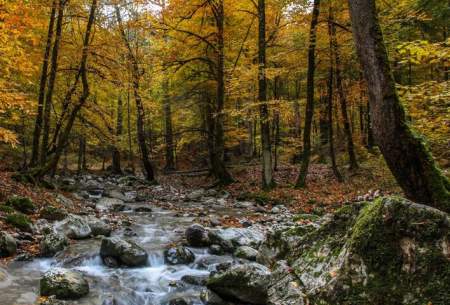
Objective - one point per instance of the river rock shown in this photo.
(390, 251)
(232, 238)
(53, 243)
(197, 236)
(198, 280)
(64, 284)
(247, 283)
(196, 195)
(124, 252)
(246, 252)
(179, 255)
(209, 297)
(8, 245)
(98, 227)
(284, 287)
(74, 227)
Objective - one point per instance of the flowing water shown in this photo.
(155, 284)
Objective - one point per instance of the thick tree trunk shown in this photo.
(342, 97)
(116, 166)
(301, 180)
(218, 165)
(405, 153)
(42, 86)
(51, 83)
(266, 149)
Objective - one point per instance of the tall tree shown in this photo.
(340, 90)
(51, 83)
(405, 153)
(42, 86)
(140, 116)
(116, 167)
(301, 180)
(267, 170)
(63, 138)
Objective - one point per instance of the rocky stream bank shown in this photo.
(129, 243)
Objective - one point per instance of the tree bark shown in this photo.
(51, 83)
(42, 86)
(406, 155)
(301, 180)
(266, 149)
(342, 98)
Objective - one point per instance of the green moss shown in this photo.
(6, 209)
(21, 204)
(20, 221)
(310, 217)
(53, 213)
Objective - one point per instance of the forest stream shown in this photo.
(155, 283)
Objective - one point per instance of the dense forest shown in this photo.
(307, 140)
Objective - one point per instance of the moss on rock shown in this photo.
(390, 251)
(21, 204)
(19, 221)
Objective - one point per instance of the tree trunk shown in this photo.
(42, 85)
(218, 165)
(406, 155)
(342, 97)
(168, 132)
(301, 180)
(330, 84)
(140, 117)
(297, 115)
(82, 71)
(116, 167)
(266, 149)
(51, 83)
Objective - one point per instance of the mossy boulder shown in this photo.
(53, 213)
(53, 243)
(390, 251)
(64, 284)
(19, 221)
(21, 204)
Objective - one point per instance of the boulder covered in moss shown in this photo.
(64, 284)
(21, 204)
(390, 251)
(19, 221)
(53, 243)
(53, 213)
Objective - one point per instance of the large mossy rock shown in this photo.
(64, 284)
(116, 251)
(53, 243)
(390, 251)
(246, 283)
